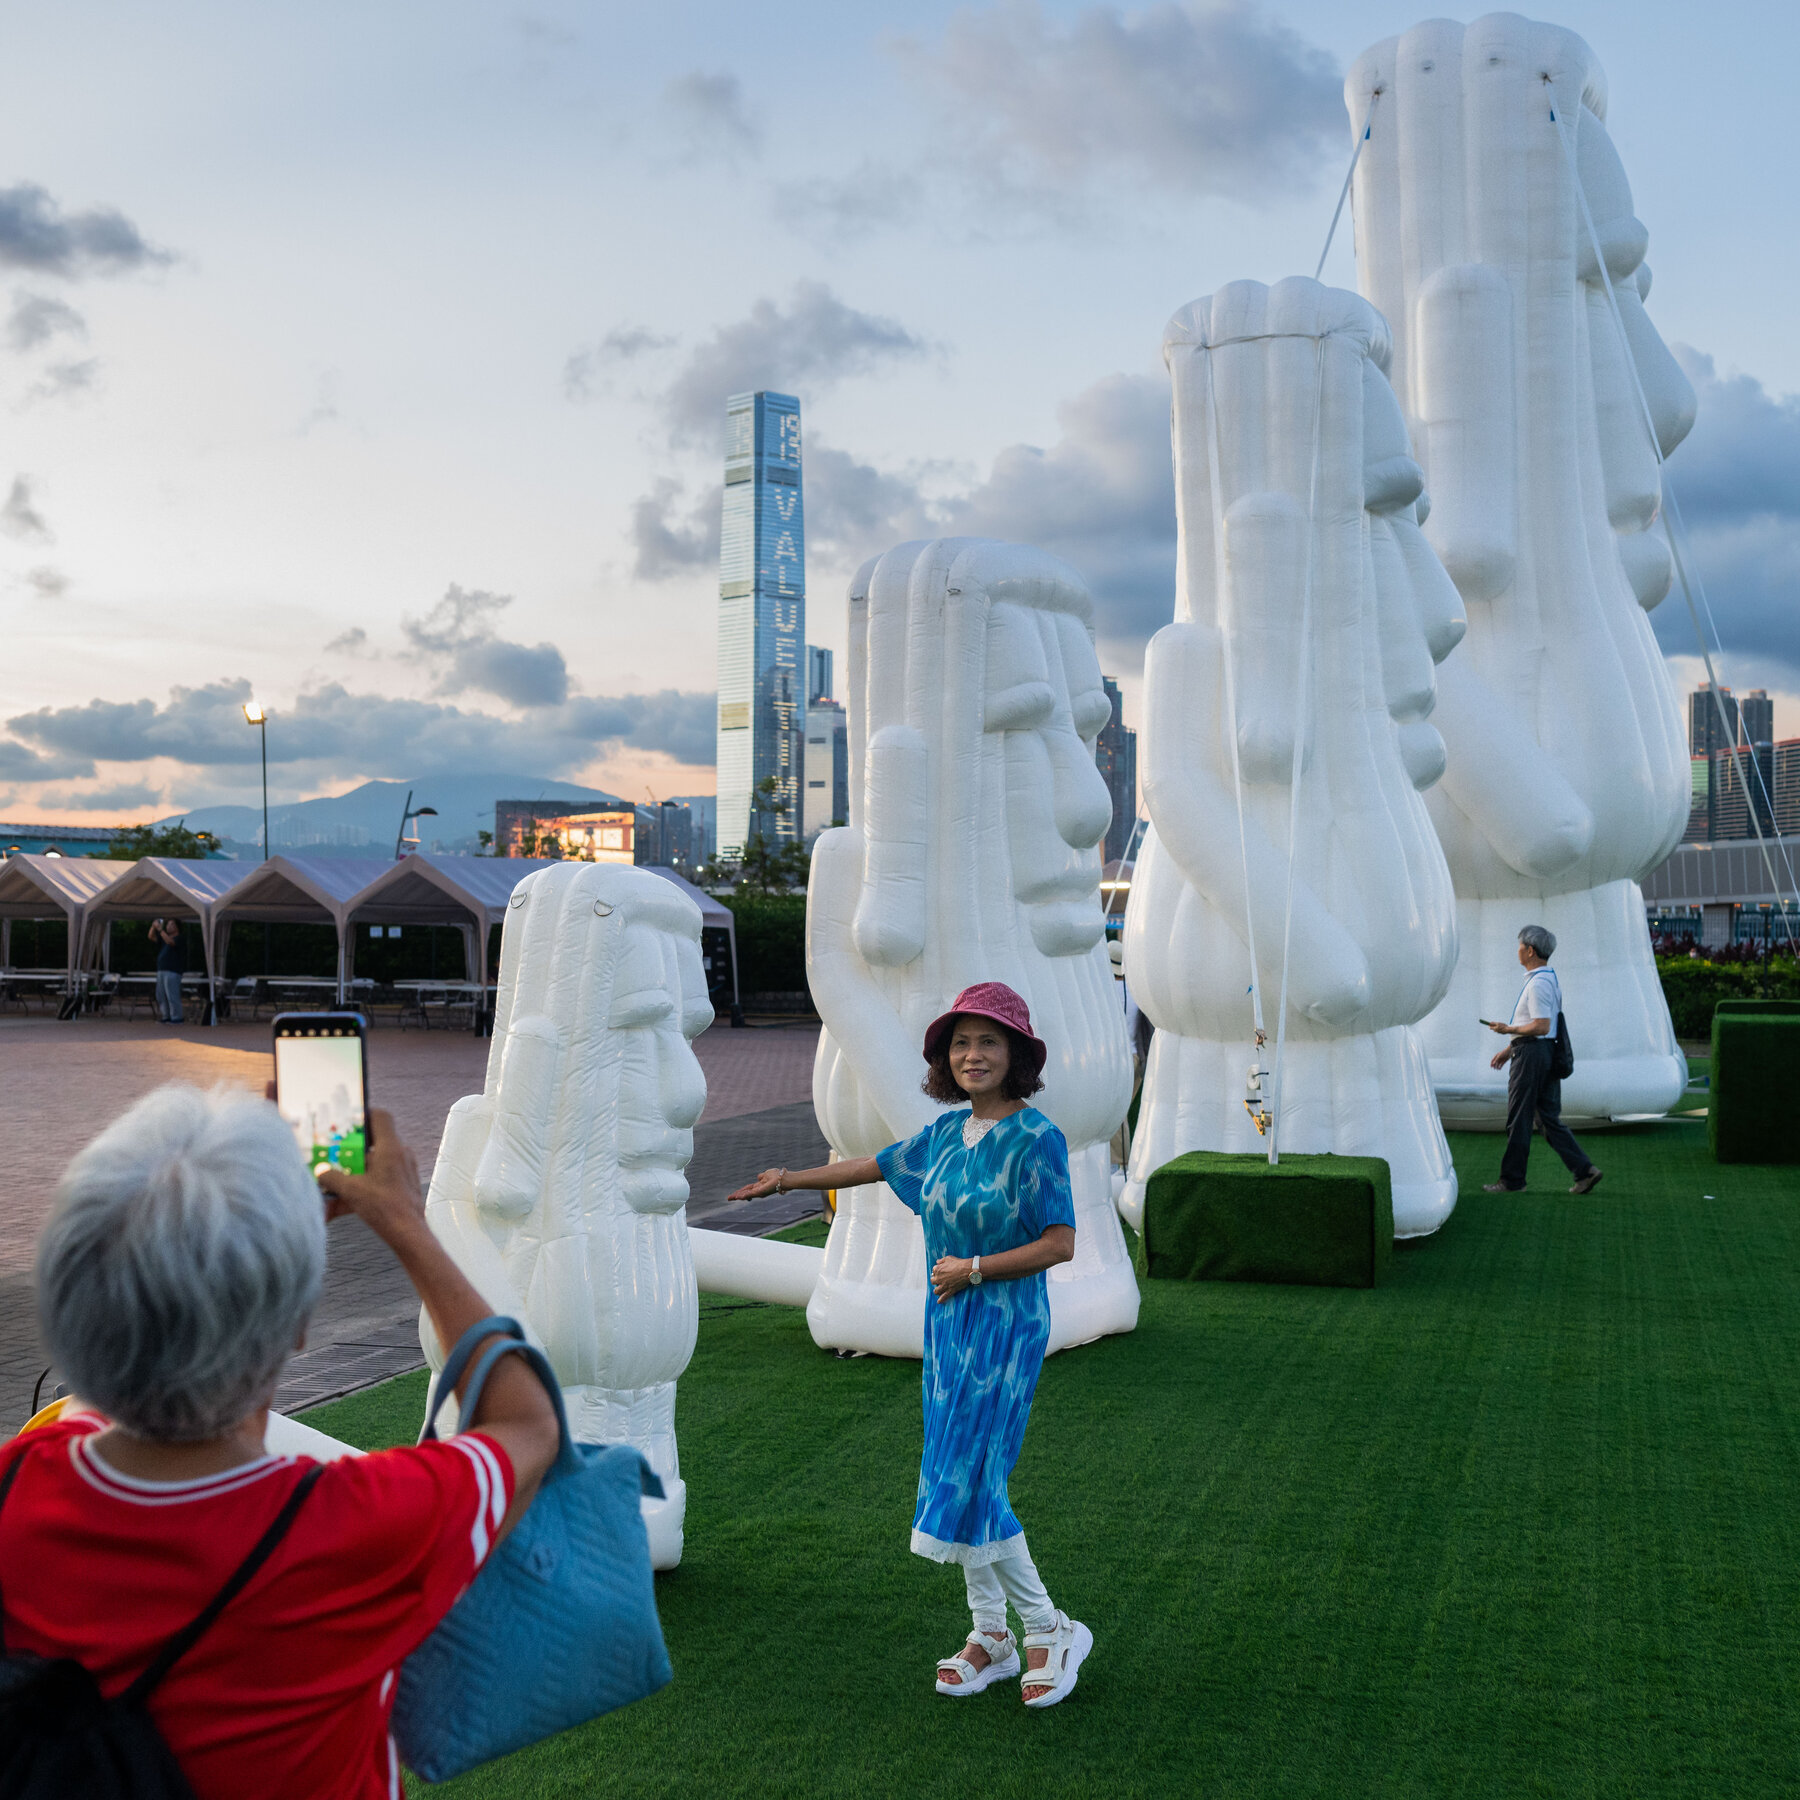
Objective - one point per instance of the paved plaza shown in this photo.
(60, 1083)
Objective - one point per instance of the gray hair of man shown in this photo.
(182, 1259)
(1538, 940)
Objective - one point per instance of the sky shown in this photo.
(370, 361)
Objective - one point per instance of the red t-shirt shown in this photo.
(289, 1692)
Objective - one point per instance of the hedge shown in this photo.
(771, 942)
(1693, 986)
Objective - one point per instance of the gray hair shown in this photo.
(182, 1259)
(1536, 937)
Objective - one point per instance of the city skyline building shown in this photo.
(818, 673)
(762, 623)
(827, 801)
(1728, 756)
(1115, 753)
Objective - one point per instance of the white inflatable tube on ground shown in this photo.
(752, 1268)
(288, 1437)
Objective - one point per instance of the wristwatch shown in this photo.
(975, 1272)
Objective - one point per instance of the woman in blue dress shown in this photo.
(990, 1183)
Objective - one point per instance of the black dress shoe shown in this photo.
(1500, 1187)
(1587, 1183)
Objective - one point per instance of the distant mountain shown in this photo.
(367, 818)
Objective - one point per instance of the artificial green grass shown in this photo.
(1522, 1520)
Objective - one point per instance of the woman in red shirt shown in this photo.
(181, 1261)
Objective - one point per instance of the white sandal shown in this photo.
(1002, 1664)
(1068, 1642)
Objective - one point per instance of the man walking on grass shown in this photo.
(1533, 1088)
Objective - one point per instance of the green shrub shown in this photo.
(771, 942)
(1693, 987)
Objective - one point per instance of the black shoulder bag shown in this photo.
(60, 1738)
(1562, 1052)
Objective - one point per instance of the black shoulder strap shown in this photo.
(184, 1640)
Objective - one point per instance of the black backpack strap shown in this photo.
(184, 1640)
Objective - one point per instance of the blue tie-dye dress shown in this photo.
(984, 1346)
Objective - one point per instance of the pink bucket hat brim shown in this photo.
(989, 1000)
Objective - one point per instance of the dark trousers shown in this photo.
(1534, 1095)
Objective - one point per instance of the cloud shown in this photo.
(37, 318)
(1102, 496)
(1206, 97)
(121, 796)
(711, 118)
(1737, 481)
(35, 233)
(837, 210)
(62, 381)
(48, 583)
(457, 636)
(18, 762)
(20, 518)
(582, 370)
(665, 545)
(807, 344)
(353, 642)
(331, 733)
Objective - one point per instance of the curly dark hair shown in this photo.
(1020, 1082)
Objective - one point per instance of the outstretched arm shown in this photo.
(859, 1171)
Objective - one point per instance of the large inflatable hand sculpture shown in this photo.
(976, 813)
(1328, 634)
(1567, 776)
(560, 1189)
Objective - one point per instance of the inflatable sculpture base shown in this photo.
(1628, 1064)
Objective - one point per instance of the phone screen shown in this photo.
(321, 1083)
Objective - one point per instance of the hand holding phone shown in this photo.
(1493, 1025)
(322, 1087)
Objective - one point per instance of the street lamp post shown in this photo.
(255, 715)
(407, 817)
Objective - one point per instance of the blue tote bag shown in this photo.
(560, 1625)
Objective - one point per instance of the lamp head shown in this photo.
(253, 713)
(426, 811)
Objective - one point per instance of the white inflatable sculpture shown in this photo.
(1567, 776)
(560, 1188)
(1282, 414)
(971, 855)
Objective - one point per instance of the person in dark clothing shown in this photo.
(1533, 1090)
(171, 965)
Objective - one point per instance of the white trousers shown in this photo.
(1013, 1578)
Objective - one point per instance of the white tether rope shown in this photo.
(1671, 515)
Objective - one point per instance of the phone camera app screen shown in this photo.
(319, 1078)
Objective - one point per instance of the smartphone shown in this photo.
(1491, 1024)
(322, 1086)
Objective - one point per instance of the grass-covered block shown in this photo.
(1751, 1110)
(1317, 1221)
(1779, 1007)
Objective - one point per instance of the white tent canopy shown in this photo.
(50, 887)
(158, 887)
(468, 892)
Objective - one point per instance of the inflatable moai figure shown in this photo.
(971, 855)
(560, 1189)
(1567, 777)
(1314, 619)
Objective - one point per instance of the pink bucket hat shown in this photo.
(989, 1000)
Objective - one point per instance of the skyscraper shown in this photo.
(818, 674)
(762, 623)
(1116, 753)
(1707, 732)
(827, 767)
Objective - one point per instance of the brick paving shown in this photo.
(60, 1083)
